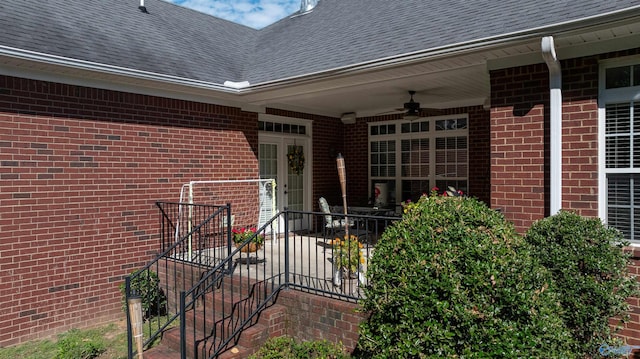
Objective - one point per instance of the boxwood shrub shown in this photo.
(590, 269)
(454, 279)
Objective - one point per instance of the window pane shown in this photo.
(618, 118)
(415, 157)
(636, 75)
(622, 212)
(617, 77)
(451, 156)
(382, 158)
(618, 153)
(620, 139)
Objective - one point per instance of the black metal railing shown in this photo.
(224, 306)
(191, 237)
(303, 251)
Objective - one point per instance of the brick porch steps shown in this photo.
(270, 323)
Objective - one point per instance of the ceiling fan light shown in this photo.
(411, 115)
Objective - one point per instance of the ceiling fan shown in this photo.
(412, 108)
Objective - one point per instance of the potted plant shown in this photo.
(347, 255)
(242, 235)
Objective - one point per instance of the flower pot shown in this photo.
(250, 248)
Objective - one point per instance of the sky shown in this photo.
(253, 13)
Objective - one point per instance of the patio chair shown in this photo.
(332, 227)
(336, 227)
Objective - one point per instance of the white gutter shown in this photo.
(555, 128)
(109, 69)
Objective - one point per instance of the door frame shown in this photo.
(282, 139)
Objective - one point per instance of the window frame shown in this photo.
(432, 134)
(606, 97)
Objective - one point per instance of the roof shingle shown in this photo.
(175, 41)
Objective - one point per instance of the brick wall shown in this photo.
(80, 169)
(312, 317)
(519, 106)
(520, 147)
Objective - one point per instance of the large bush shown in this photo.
(453, 279)
(591, 271)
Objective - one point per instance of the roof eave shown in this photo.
(479, 45)
(107, 69)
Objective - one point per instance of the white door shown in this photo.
(292, 178)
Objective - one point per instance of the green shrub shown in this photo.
(590, 269)
(146, 285)
(75, 344)
(453, 279)
(288, 348)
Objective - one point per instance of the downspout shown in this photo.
(555, 128)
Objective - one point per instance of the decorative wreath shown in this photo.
(296, 159)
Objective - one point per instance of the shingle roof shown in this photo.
(340, 33)
(169, 40)
(176, 41)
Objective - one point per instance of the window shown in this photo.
(622, 148)
(409, 158)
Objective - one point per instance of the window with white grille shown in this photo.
(410, 158)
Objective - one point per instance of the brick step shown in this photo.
(161, 351)
(269, 323)
(221, 325)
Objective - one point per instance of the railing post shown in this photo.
(229, 222)
(286, 247)
(127, 292)
(183, 328)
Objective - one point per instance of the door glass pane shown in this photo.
(295, 184)
(268, 161)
